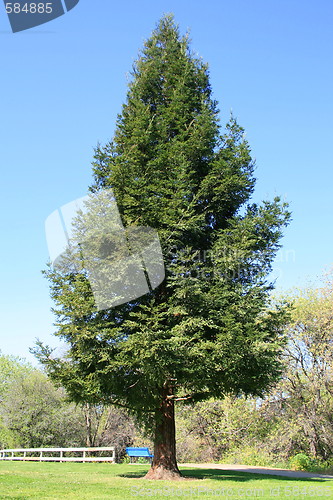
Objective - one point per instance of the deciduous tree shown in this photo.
(305, 395)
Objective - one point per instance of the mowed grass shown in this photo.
(25, 480)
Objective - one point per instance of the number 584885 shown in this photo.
(28, 8)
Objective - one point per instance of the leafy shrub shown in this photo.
(301, 462)
(252, 455)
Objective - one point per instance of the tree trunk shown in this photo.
(164, 464)
(89, 436)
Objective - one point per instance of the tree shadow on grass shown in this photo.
(136, 474)
(140, 473)
(220, 475)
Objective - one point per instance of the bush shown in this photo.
(301, 462)
(251, 455)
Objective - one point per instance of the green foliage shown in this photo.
(33, 412)
(303, 400)
(37, 414)
(253, 455)
(11, 369)
(208, 430)
(232, 430)
(300, 462)
(207, 329)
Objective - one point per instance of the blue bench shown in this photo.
(139, 452)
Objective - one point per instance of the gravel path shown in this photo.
(258, 470)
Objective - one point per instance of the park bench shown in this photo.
(139, 452)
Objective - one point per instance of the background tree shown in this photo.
(120, 431)
(36, 413)
(109, 426)
(303, 400)
(206, 330)
(213, 429)
(11, 368)
(33, 413)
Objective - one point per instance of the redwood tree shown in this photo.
(206, 330)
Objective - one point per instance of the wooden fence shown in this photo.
(59, 454)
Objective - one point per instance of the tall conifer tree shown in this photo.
(206, 330)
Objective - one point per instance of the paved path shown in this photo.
(258, 470)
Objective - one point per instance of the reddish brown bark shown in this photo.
(164, 465)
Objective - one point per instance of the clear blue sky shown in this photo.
(63, 83)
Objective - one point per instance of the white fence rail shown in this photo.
(43, 454)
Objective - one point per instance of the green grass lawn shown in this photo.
(24, 480)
